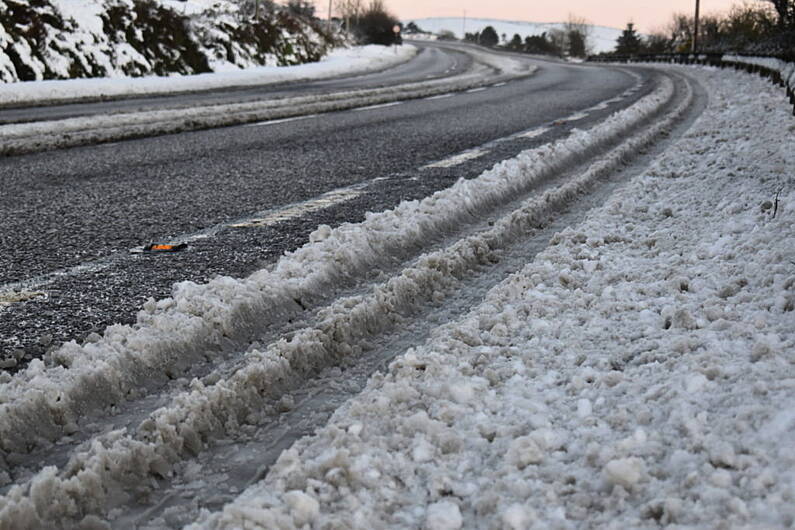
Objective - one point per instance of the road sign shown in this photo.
(396, 28)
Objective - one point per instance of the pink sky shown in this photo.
(646, 14)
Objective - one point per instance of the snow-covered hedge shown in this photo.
(64, 39)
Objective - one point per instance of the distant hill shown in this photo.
(64, 39)
(601, 38)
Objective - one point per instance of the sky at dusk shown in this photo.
(647, 15)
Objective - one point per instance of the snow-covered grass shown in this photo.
(638, 372)
(600, 38)
(342, 61)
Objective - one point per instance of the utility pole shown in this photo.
(464, 27)
(695, 30)
(328, 29)
(256, 10)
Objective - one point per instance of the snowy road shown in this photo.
(220, 378)
(596, 330)
(72, 216)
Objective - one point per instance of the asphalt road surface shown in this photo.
(241, 196)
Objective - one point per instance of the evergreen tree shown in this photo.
(489, 37)
(629, 42)
(577, 44)
(516, 42)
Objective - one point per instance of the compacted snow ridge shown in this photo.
(637, 373)
(115, 367)
(341, 61)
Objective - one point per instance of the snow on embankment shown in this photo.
(343, 61)
(44, 402)
(638, 372)
(64, 39)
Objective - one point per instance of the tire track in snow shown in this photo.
(179, 429)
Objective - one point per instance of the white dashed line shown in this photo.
(382, 106)
(533, 133)
(473, 90)
(499, 85)
(283, 120)
(457, 159)
(297, 210)
(441, 96)
(577, 116)
(601, 106)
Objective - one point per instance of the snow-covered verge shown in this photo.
(638, 372)
(785, 69)
(339, 62)
(65, 39)
(777, 68)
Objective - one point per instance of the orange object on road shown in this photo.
(160, 247)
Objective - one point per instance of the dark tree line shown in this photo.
(571, 41)
(767, 27)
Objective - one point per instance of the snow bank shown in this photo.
(339, 62)
(636, 373)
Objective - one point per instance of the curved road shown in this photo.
(431, 62)
(70, 217)
(152, 425)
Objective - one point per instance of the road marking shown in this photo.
(441, 96)
(533, 133)
(577, 116)
(458, 159)
(295, 211)
(13, 296)
(473, 90)
(601, 106)
(499, 84)
(283, 120)
(382, 106)
(29, 287)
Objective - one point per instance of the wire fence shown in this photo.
(780, 69)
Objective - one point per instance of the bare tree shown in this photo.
(577, 32)
(557, 39)
(350, 11)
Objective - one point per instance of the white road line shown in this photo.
(11, 296)
(601, 106)
(297, 210)
(577, 116)
(283, 120)
(382, 106)
(441, 96)
(10, 291)
(499, 84)
(533, 133)
(457, 159)
(473, 90)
